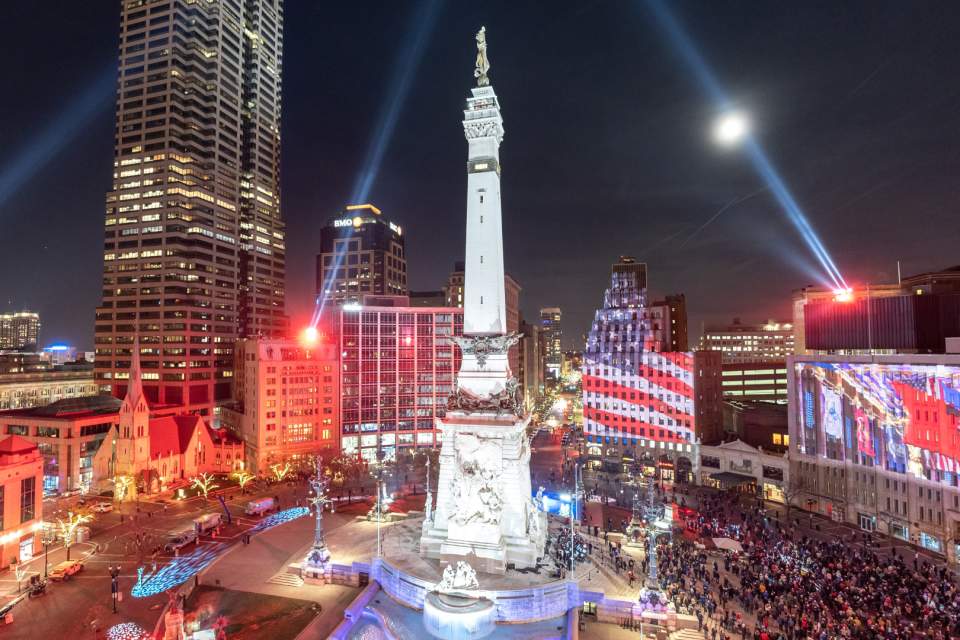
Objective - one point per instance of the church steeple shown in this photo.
(135, 395)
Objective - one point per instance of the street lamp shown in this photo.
(114, 585)
(48, 536)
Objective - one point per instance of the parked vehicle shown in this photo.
(65, 569)
(206, 522)
(102, 507)
(259, 507)
(38, 587)
(180, 539)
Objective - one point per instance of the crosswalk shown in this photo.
(287, 580)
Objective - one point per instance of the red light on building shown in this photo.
(843, 295)
(309, 335)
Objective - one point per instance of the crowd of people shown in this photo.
(788, 586)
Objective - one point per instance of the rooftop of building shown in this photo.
(737, 326)
(14, 449)
(73, 408)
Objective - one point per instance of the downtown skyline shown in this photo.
(601, 164)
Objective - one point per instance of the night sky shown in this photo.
(607, 148)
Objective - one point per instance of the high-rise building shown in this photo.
(551, 349)
(672, 312)
(640, 404)
(37, 384)
(396, 374)
(874, 443)
(764, 381)
(750, 343)
(286, 400)
(361, 253)
(916, 315)
(194, 252)
(453, 291)
(530, 371)
(428, 298)
(19, 330)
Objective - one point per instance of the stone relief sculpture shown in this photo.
(484, 346)
(463, 578)
(476, 483)
(507, 400)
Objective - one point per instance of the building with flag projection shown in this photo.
(875, 442)
(644, 407)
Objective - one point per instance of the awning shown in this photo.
(731, 479)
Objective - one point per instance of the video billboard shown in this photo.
(900, 417)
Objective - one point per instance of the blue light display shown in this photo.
(185, 567)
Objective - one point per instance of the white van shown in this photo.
(259, 507)
(206, 522)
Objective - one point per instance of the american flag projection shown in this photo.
(633, 393)
(900, 417)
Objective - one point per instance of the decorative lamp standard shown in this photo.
(48, 536)
(114, 585)
(318, 559)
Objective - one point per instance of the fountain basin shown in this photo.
(458, 617)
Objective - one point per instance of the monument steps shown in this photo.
(287, 580)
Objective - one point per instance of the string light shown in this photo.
(185, 567)
(127, 631)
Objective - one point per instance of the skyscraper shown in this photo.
(361, 253)
(641, 403)
(194, 248)
(19, 330)
(552, 345)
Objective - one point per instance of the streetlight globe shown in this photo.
(731, 128)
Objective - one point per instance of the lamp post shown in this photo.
(318, 558)
(114, 585)
(47, 537)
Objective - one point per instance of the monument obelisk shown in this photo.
(484, 513)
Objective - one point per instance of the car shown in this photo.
(65, 569)
(180, 539)
(102, 507)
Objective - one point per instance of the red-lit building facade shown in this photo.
(643, 406)
(397, 369)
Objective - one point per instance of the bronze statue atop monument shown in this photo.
(483, 64)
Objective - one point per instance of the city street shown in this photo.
(114, 543)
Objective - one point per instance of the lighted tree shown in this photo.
(243, 478)
(280, 471)
(121, 487)
(204, 484)
(20, 571)
(68, 528)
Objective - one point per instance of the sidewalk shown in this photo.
(261, 566)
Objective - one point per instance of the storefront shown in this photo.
(26, 547)
(898, 530)
(867, 522)
(931, 543)
(728, 480)
(773, 492)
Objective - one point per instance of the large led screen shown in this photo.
(902, 418)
